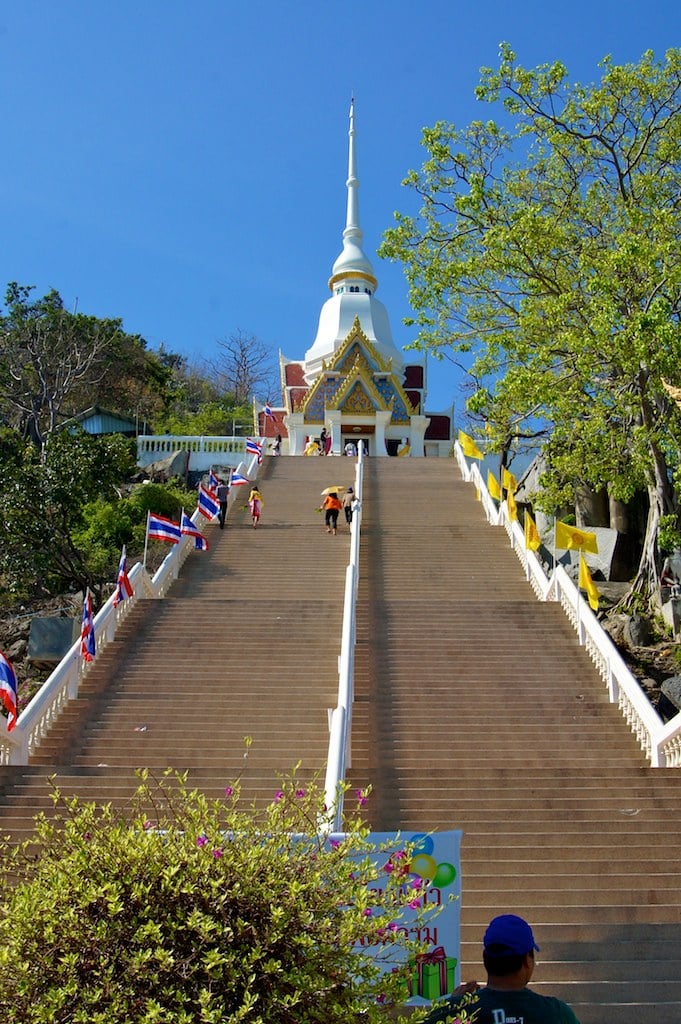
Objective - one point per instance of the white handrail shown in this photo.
(63, 684)
(340, 717)
(660, 742)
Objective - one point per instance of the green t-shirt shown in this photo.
(493, 1006)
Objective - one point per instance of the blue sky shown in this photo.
(182, 165)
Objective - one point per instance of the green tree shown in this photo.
(43, 503)
(137, 382)
(216, 417)
(197, 911)
(48, 357)
(546, 257)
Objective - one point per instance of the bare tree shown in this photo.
(245, 366)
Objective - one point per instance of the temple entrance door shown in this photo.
(359, 433)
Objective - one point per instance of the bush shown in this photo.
(190, 910)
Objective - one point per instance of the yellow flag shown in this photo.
(511, 506)
(586, 583)
(469, 447)
(493, 486)
(569, 538)
(532, 538)
(508, 480)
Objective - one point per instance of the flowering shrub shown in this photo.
(187, 910)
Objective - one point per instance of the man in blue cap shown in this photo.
(508, 956)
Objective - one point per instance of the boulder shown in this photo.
(671, 688)
(17, 650)
(163, 470)
(638, 631)
(615, 626)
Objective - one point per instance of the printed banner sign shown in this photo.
(437, 862)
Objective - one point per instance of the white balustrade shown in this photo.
(203, 451)
(340, 717)
(660, 742)
(64, 682)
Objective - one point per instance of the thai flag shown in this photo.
(123, 584)
(188, 528)
(161, 528)
(254, 447)
(238, 480)
(268, 411)
(8, 690)
(209, 506)
(87, 630)
(213, 480)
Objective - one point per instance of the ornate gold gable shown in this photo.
(357, 381)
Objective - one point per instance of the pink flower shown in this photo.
(201, 841)
(148, 825)
(229, 791)
(367, 912)
(334, 843)
(217, 853)
(278, 796)
(414, 904)
(300, 793)
(361, 797)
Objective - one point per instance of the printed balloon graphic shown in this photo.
(424, 865)
(444, 876)
(422, 843)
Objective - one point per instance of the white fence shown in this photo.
(63, 684)
(204, 452)
(660, 742)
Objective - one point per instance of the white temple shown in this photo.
(353, 379)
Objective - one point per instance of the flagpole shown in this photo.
(81, 659)
(553, 569)
(146, 543)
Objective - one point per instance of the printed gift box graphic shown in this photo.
(434, 974)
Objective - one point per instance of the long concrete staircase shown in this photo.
(246, 644)
(475, 709)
